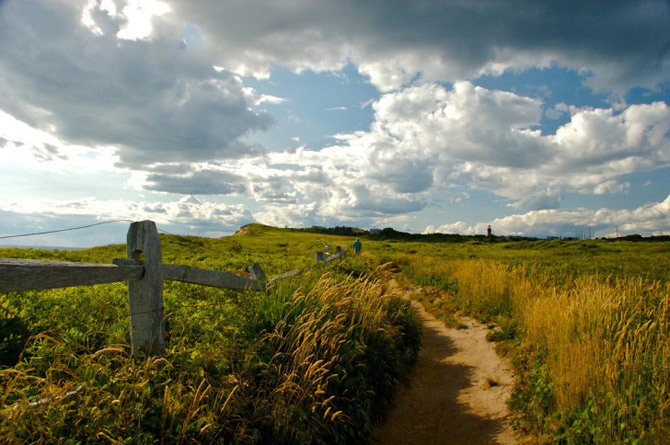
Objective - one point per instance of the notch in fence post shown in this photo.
(321, 256)
(257, 274)
(145, 296)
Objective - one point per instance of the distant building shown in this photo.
(375, 231)
(488, 231)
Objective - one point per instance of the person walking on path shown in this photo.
(357, 246)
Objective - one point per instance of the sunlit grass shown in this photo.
(314, 359)
(593, 353)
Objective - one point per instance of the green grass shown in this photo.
(585, 323)
(315, 359)
(568, 258)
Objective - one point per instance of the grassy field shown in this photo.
(586, 324)
(313, 360)
(317, 359)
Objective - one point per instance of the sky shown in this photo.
(541, 119)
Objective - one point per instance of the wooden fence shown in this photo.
(144, 271)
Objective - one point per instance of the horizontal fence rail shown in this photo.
(205, 277)
(20, 274)
(145, 280)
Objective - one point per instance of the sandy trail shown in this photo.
(449, 398)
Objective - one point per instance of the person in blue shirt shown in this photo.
(357, 246)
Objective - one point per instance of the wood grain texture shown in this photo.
(339, 253)
(286, 275)
(213, 278)
(258, 275)
(22, 274)
(145, 296)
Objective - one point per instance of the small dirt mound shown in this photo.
(390, 267)
(242, 231)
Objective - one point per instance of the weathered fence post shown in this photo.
(321, 256)
(145, 295)
(257, 274)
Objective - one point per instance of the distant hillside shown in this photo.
(384, 234)
(257, 229)
(392, 234)
(389, 233)
(254, 229)
(337, 230)
(637, 238)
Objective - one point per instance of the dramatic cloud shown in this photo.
(283, 185)
(624, 44)
(427, 136)
(291, 215)
(141, 100)
(200, 182)
(589, 154)
(653, 218)
(339, 179)
(92, 82)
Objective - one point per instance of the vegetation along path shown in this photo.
(456, 392)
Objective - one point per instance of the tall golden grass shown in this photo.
(315, 343)
(604, 341)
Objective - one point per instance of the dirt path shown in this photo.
(456, 393)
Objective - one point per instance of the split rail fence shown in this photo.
(144, 271)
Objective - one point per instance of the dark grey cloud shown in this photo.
(154, 208)
(47, 152)
(286, 187)
(171, 169)
(203, 182)
(277, 195)
(370, 203)
(154, 100)
(404, 175)
(545, 199)
(624, 43)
